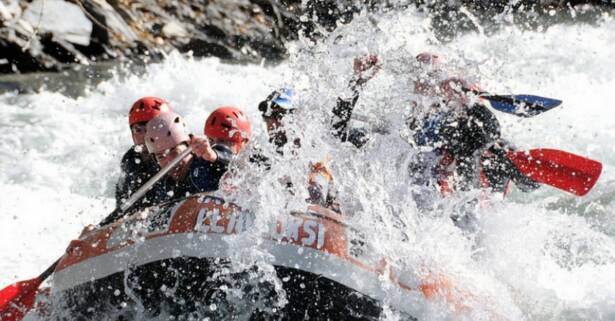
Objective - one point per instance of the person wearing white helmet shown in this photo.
(227, 131)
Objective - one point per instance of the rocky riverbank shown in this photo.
(44, 35)
(48, 35)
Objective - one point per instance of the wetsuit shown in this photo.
(137, 169)
(202, 176)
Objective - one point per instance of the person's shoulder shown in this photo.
(204, 175)
(130, 153)
(199, 164)
(130, 156)
(133, 160)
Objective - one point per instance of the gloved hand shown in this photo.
(365, 68)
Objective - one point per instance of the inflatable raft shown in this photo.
(180, 260)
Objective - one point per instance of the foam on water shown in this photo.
(543, 256)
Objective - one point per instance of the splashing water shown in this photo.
(542, 256)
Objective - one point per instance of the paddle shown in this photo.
(521, 105)
(566, 171)
(17, 299)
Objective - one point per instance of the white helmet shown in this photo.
(165, 131)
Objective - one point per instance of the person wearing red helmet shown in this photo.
(227, 131)
(137, 164)
(230, 127)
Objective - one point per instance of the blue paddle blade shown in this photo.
(522, 105)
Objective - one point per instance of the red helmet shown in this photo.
(146, 108)
(228, 124)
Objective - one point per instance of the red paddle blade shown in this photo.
(16, 299)
(569, 172)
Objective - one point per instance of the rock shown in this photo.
(64, 20)
(174, 29)
(9, 10)
(113, 21)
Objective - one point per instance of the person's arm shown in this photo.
(214, 154)
(342, 113)
(499, 169)
(205, 174)
(365, 68)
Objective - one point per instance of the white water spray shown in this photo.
(543, 256)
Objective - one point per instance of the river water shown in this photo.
(547, 255)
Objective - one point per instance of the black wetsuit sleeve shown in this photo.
(205, 175)
(342, 113)
(499, 170)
